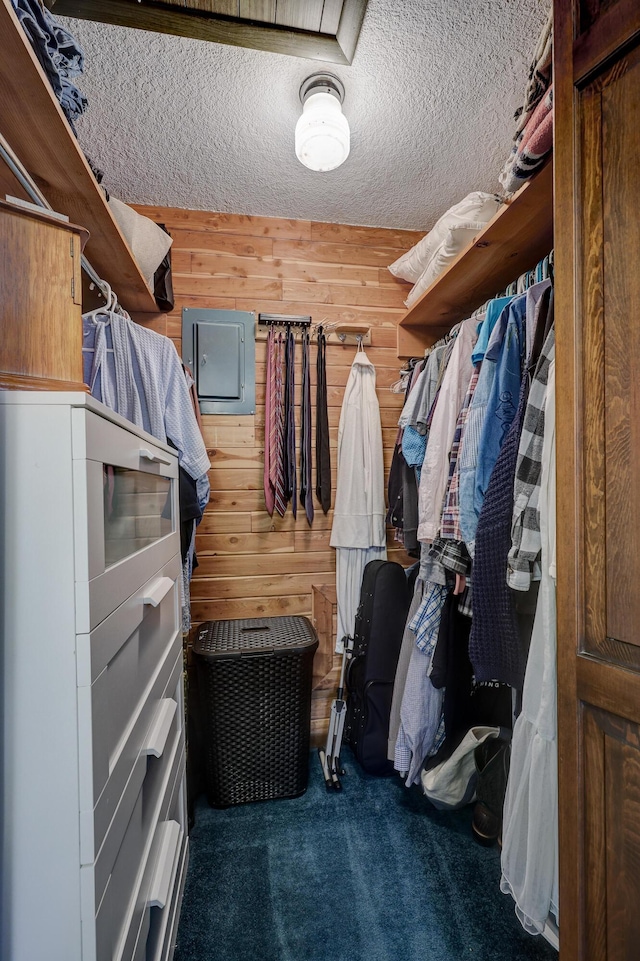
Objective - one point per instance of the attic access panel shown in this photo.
(313, 29)
(219, 348)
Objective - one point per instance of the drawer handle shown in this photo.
(157, 591)
(167, 838)
(154, 458)
(160, 726)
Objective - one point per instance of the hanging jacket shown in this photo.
(359, 511)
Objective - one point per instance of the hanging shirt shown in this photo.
(535, 293)
(470, 448)
(450, 520)
(414, 420)
(494, 309)
(414, 394)
(358, 530)
(142, 379)
(419, 733)
(496, 647)
(435, 468)
(525, 526)
(359, 511)
(503, 399)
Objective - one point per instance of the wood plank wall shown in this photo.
(252, 564)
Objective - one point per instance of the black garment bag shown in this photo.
(371, 671)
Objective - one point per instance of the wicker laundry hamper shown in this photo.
(254, 682)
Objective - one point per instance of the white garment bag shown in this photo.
(530, 821)
(358, 531)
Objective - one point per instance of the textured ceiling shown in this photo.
(430, 98)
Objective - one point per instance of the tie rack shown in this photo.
(282, 320)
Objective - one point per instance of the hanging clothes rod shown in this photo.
(282, 320)
(31, 188)
(542, 271)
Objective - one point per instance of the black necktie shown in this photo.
(306, 492)
(323, 457)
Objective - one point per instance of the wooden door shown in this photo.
(597, 241)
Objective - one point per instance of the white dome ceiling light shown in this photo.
(322, 132)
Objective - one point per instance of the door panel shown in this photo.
(612, 767)
(597, 243)
(591, 406)
(621, 237)
(595, 862)
(609, 112)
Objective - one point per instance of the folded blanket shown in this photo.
(532, 147)
(539, 76)
(58, 53)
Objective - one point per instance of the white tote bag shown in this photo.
(452, 784)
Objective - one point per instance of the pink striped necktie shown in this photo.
(270, 428)
(280, 497)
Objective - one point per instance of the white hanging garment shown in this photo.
(138, 373)
(530, 820)
(350, 565)
(358, 529)
(434, 475)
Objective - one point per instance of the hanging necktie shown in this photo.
(280, 499)
(290, 485)
(306, 481)
(270, 426)
(323, 457)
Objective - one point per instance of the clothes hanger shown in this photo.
(107, 310)
(103, 315)
(361, 355)
(103, 312)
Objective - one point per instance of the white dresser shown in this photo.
(94, 845)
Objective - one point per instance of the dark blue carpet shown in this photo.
(372, 874)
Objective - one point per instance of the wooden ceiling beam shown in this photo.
(200, 24)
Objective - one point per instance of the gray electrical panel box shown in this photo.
(219, 348)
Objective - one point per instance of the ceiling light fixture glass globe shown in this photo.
(322, 138)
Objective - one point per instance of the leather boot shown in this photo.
(492, 764)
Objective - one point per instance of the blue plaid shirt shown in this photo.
(426, 621)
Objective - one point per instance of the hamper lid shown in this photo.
(255, 635)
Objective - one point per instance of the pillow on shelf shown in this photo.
(149, 243)
(477, 208)
(455, 240)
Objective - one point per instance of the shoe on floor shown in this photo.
(492, 764)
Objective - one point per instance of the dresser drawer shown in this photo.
(162, 771)
(163, 919)
(144, 711)
(163, 885)
(118, 886)
(126, 509)
(106, 886)
(160, 840)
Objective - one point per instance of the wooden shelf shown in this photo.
(520, 235)
(34, 125)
